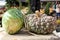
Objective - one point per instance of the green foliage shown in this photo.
(47, 8)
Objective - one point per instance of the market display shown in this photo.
(12, 21)
(31, 16)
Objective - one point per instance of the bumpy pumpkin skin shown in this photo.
(42, 25)
(12, 21)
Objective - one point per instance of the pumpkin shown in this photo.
(42, 25)
(12, 21)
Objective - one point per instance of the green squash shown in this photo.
(12, 21)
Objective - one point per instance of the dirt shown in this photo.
(25, 35)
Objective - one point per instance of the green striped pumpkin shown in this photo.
(12, 21)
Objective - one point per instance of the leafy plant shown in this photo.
(47, 8)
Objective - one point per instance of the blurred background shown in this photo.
(26, 5)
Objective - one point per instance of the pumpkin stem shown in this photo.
(37, 13)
